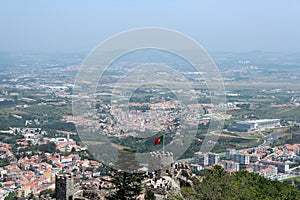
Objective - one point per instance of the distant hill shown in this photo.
(32, 58)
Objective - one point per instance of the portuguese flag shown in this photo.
(158, 140)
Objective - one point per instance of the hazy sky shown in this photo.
(219, 25)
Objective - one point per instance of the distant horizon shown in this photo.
(88, 51)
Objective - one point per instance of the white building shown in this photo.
(213, 158)
(201, 158)
(227, 164)
(253, 125)
(206, 159)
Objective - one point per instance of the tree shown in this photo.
(149, 195)
(73, 150)
(11, 196)
(217, 184)
(47, 192)
(49, 147)
(4, 162)
(31, 196)
(127, 185)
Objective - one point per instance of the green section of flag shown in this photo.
(158, 140)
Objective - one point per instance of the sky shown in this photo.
(78, 26)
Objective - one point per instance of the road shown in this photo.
(269, 139)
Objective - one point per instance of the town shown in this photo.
(43, 155)
(32, 174)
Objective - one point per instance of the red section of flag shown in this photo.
(158, 140)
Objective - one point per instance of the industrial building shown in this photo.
(253, 125)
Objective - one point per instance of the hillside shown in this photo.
(218, 184)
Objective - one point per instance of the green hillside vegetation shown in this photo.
(218, 184)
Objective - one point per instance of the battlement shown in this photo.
(64, 176)
(161, 154)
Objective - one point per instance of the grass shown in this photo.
(295, 179)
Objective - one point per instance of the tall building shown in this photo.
(213, 158)
(243, 159)
(206, 159)
(229, 153)
(64, 186)
(201, 158)
(228, 164)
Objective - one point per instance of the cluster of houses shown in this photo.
(34, 172)
(269, 162)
